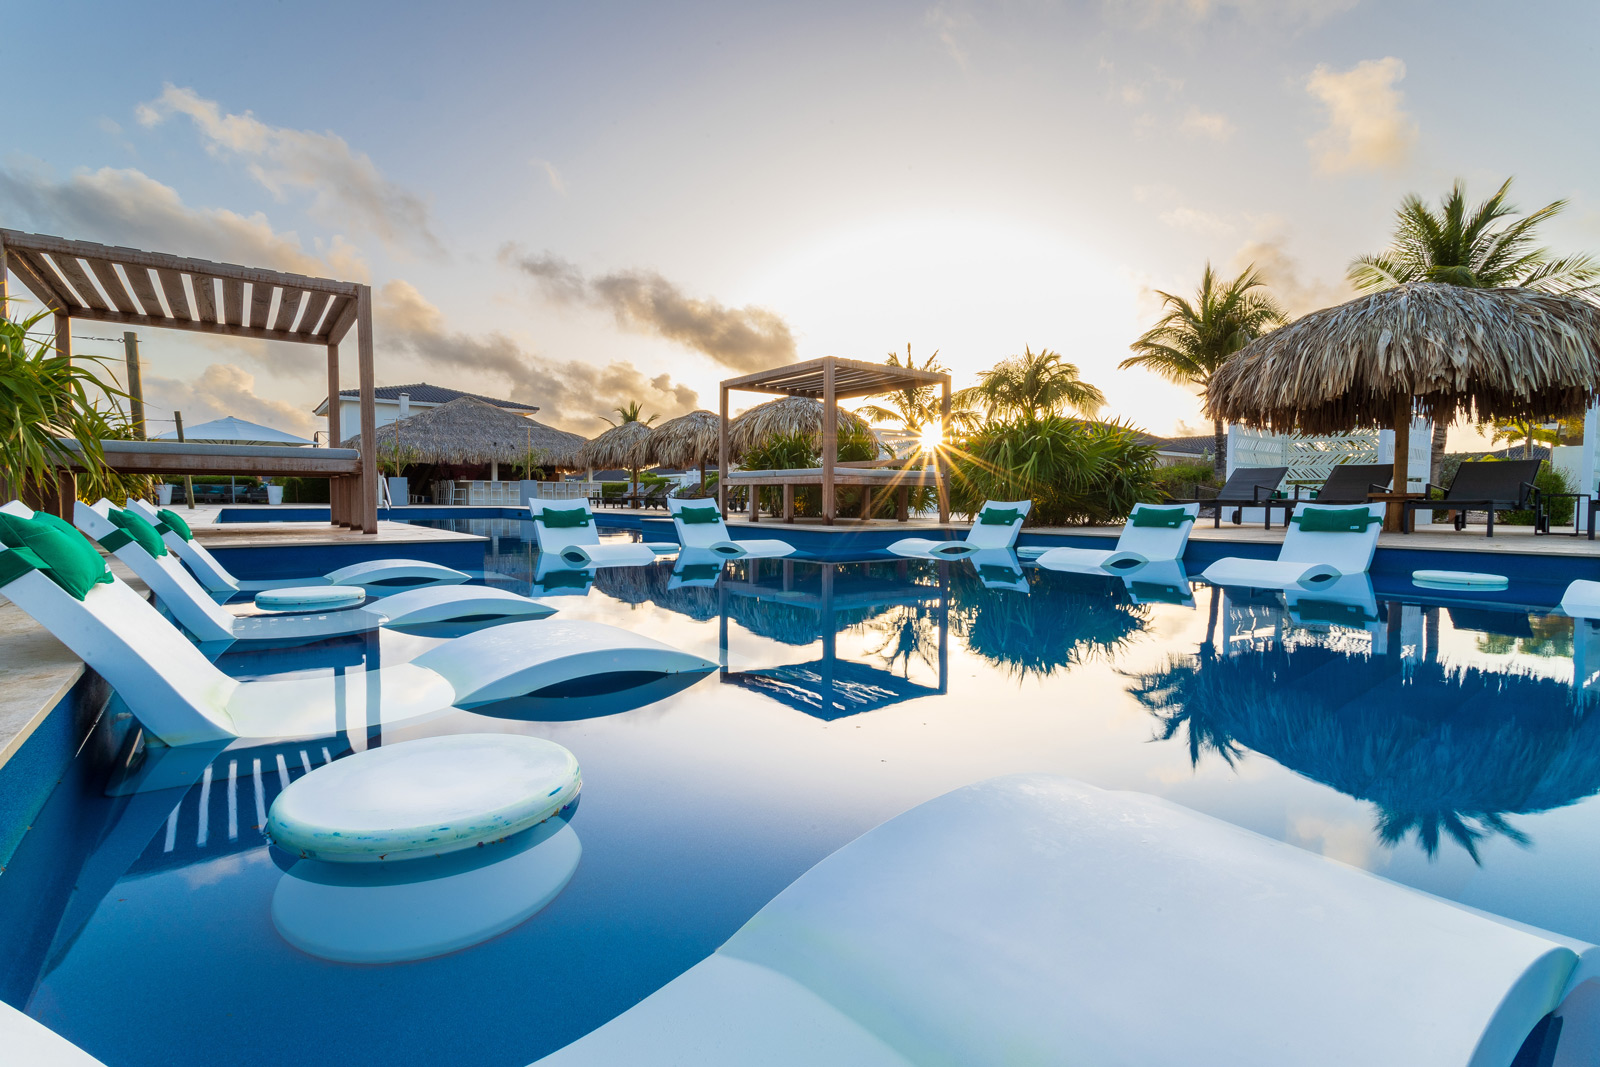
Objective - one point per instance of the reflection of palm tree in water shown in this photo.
(1065, 620)
(907, 631)
(1442, 752)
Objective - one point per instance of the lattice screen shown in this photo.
(1311, 459)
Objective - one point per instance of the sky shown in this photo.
(579, 205)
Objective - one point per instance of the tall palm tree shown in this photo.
(1477, 249)
(1193, 339)
(1032, 386)
(633, 412)
(913, 407)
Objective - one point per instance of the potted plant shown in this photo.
(392, 462)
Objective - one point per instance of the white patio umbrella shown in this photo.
(229, 430)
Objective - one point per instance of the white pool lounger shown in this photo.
(566, 529)
(1312, 557)
(986, 532)
(217, 578)
(182, 698)
(29, 1043)
(209, 622)
(1151, 534)
(700, 526)
(1034, 919)
(1582, 599)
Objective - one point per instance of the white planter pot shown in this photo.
(164, 495)
(274, 494)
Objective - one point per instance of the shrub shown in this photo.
(1549, 480)
(1179, 480)
(1074, 471)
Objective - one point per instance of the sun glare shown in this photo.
(931, 436)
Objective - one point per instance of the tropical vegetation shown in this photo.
(1031, 386)
(1194, 338)
(1073, 470)
(913, 407)
(1485, 247)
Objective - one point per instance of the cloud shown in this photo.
(1281, 271)
(1205, 223)
(557, 183)
(1367, 130)
(346, 186)
(742, 339)
(1209, 124)
(570, 394)
(1161, 12)
(222, 389)
(949, 24)
(128, 207)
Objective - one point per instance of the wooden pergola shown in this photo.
(830, 380)
(85, 280)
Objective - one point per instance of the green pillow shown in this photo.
(1159, 518)
(999, 516)
(69, 559)
(564, 518)
(176, 524)
(699, 516)
(1335, 520)
(138, 528)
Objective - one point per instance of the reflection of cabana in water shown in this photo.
(1440, 751)
(828, 687)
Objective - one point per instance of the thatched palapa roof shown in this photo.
(785, 416)
(626, 446)
(686, 441)
(469, 431)
(1491, 353)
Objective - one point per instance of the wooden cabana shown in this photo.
(830, 380)
(85, 280)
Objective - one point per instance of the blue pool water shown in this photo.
(1437, 741)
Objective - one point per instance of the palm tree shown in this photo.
(1192, 340)
(912, 406)
(1477, 250)
(632, 413)
(1030, 387)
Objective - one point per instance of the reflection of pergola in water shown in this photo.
(830, 688)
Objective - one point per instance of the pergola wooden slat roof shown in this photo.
(851, 378)
(106, 283)
(829, 379)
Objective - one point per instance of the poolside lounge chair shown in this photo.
(1246, 487)
(1324, 543)
(1485, 485)
(1152, 533)
(1035, 919)
(566, 528)
(1349, 483)
(699, 525)
(995, 526)
(182, 698)
(199, 613)
(372, 575)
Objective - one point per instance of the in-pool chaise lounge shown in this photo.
(696, 567)
(996, 526)
(566, 529)
(1582, 599)
(1037, 920)
(1159, 582)
(1152, 533)
(55, 575)
(1322, 543)
(373, 574)
(999, 568)
(700, 526)
(139, 545)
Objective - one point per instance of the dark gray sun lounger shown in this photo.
(1246, 487)
(1485, 485)
(1349, 483)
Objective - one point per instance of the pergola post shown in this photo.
(830, 437)
(369, 412)
(722, 455)
(3, 273)
(941, 488)
(336, 512)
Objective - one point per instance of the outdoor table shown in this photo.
(1396, 510)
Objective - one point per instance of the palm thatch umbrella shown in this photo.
(687, 441)
(626, 445)
(467, 431)
(785, 417)
(1441, 349)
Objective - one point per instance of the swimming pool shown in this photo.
(1436, 740)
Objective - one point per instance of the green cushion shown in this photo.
(999, 516)
(176, 524)
(699, 572)
(1159, 518)
(67, 556)
(1335, 520)
(563, 518)
(138, 528)
(699, 516)
(567, 580)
